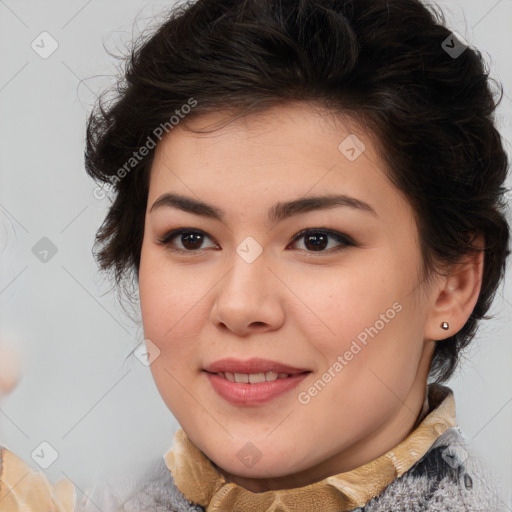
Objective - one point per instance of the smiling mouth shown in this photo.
(253, 378)
(253, 389)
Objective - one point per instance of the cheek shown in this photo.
(163, 292)
(365, 317)
(169, 320)
(341, 303)
(173, 308)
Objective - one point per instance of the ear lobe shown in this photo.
(457, 296)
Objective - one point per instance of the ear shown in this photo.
(456, 296)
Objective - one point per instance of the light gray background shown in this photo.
(103, 415)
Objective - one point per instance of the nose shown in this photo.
(249, 297)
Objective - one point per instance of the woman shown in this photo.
(309, 201)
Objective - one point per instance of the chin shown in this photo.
(250, 462)
(259, 471)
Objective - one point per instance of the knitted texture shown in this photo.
(449, 477)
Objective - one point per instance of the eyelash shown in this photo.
(344, 239)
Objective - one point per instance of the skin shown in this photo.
(292, 304)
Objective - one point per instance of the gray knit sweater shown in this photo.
(449, 477)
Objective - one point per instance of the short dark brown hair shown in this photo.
(384, 62)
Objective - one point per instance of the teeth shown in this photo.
(270, 376)
(256, 377)
(252, 378)
(241, 377)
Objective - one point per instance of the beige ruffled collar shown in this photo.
(201, 483)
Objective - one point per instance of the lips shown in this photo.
(252, 382)
(252, 366)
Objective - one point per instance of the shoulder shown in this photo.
(24, 489)
(152, 491)
(450, 476)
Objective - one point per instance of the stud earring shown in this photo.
(445, 326)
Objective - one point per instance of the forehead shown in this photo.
(285, 152)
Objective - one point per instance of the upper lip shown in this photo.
(253, 365)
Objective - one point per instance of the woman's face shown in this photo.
(344, 302)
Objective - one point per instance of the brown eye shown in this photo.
(316, 240)
(191, 240)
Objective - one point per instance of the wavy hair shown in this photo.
(384, 62)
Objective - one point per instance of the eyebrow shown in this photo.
(277, 212)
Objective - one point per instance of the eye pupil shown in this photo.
(194, 239)
(319, 241)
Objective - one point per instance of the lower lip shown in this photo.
(241, 393)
